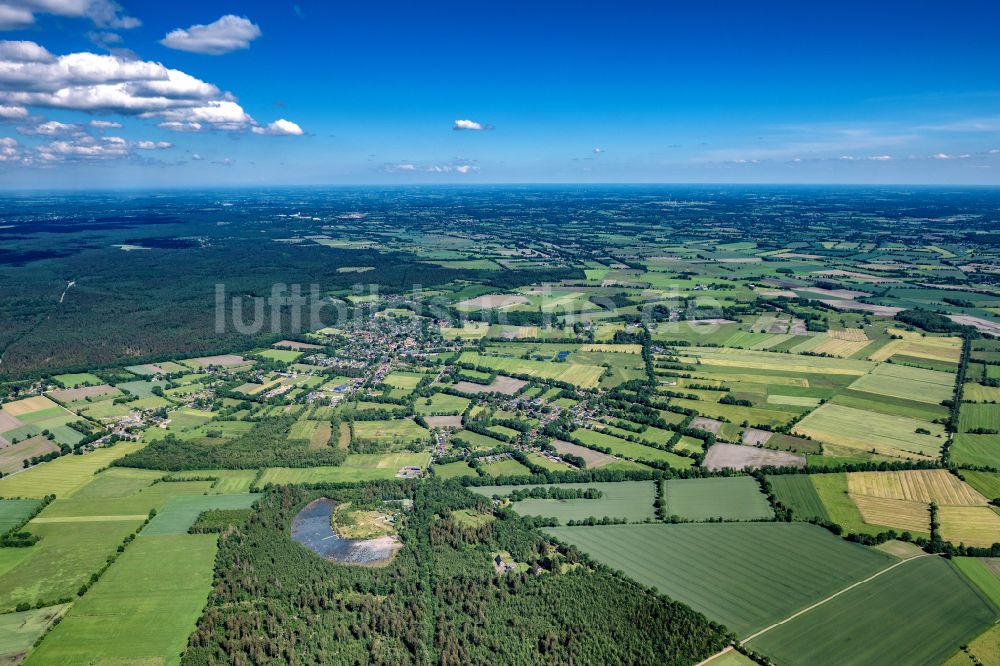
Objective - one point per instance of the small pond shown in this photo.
(311, 528)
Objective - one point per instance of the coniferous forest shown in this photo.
(438, 601)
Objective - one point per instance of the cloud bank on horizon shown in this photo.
(117, 91)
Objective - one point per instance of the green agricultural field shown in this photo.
(979, 416)
(64, 475)
(730, 658)
(441, 403)
(754, 360)
(631, 500)
(137, 504)
(19, 631)
(584, 376)
(918, 613)
(399, 431)
(142, 610)
(117, 482)
(546, 463)
(860, 430)
(142, 389)
(13, 512)
(986, 483)
(969, 449)
(180, 512)
(737, 413)
(474, 440)
(283, 355)
(900, 381)
(453, 470)
(884, 404)
(744, 575)
(632, 450)
(981, 576)
(63, 559)
(357, 467)
(78, 379)
(974, 392)
(797, 492)
(227, 481)
(404, 380)
(735, 498)
(505, 467)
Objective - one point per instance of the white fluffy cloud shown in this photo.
(219, 115)
(105, 124)
(280, 127)
(84, 147)
(13, 112)
(410, 167)
(17, 14)
(229, 33)
(470, 125)
(153, 145)
(51, 128)
(9, 150)
(32, 76)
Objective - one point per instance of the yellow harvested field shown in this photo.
(886, 350)
(895, 513)
(840, 347)
(913, 344)
(971, 525)
(925, 485)
(850, 334)
(28, 405)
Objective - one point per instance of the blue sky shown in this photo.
(316, 92)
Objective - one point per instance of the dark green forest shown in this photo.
(439, 601)
(266, 444)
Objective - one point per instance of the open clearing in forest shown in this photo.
(143, 608)
(739, 574)
(631, 500)
(917, 613)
